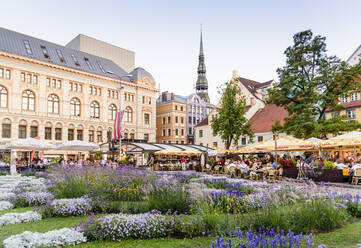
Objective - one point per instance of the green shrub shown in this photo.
(318, 216)
(6, 159)
(216, 185)
(189, 226)
(129, 207)
(169, 199)
(70, 188)
(354, 208)
(28, 174)
(3, 173)
(328, 165)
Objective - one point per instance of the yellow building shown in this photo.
(171, 119)
(352, 105)
(60, 94)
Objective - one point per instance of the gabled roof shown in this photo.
(355, 53)
(263, 120)
(140, 73)
(177, 98)
(252, 85)
(204, 122)
(13, 42)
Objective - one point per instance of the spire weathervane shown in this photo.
(202, 83)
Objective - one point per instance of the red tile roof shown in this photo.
(348, 105)
(252, 85)
(204, 122)
(263, 120)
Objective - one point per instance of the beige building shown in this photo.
(61, 94)
(171, 119)
(255, 94)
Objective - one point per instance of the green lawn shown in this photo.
(16, 210)
(346, 237)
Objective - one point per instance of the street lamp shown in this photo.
(120, 102)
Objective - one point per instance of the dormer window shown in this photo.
(60, 55)
(27, 47)
(101, 67)
(45, 51)
(89, 65)
(76, 62)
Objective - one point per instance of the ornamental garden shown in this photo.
(126, 207)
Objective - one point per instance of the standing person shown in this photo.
(183, 161)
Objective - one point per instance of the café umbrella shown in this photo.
(29, 144)
(77, 145)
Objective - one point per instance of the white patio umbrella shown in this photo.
(30, 144)
(77, 145)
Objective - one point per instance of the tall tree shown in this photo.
(312, 83)
(231, 123)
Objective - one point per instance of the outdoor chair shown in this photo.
(271, 177)
(232, 172)
(280, 174)
(206, 168)
(356, 175)
(217, 170)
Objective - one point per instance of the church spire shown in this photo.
(202, 83)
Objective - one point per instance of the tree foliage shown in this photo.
(231, 123)
(311, 84)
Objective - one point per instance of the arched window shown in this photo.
(128, 114)
(53, 104)
(75, 107)
(112, 111)
(3, 97)
(94, 109)
(28, 100)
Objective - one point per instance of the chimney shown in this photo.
(172, 96)
(164, 96)
(234, 74)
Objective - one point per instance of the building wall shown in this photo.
(42, 118)
(122, 57)
(171, 110)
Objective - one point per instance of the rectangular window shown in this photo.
(109, 93)
(60, 55)
(176, 131)
(182, 120)
(27, 47)
(260, 138)
(35, 79)
(58, 133)
(143, 99)
(190, 120)
(163, 132)
(53, 83)
(99, 136)
(7, 74)
(91, 135)
(344, 99)
(6, 130)
(351, 114)
(169, 132)
(22, 132)
(244, 141)
(146, 119)
(176, 119)
(132, 98)
(22, 77)
(169, 142)
(335, 114)
(48, 133)
(70, 134)
(90, 66)
(190, 131)
(149, 100)
(45, 52)
(91, 90)
(1, 72)
(353, 97)
(71, 86)
(80, 88)
(169, 120)
(146, 137)
(175, 107)
(181, 108)
(182, 132)
(215, 144)
(163, 120)
(48, 82)
(99, 91)
(75, 59)
(194, 120)
(28, 78)
(79, 134)
(132, 136)
(58, 84)
(182, 142)
(33, 131)
(200, 133)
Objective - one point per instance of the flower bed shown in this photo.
(56, 238)
(28, 199)
(5, 205)
(13, 218)
(71, 207)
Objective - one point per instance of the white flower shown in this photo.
(13, 218)
(5, 205)
(61, 237)
(3, 196)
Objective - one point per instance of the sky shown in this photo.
(249, 36)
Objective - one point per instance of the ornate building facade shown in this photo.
(58, 93)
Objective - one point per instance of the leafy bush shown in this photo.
(3, 173)
(71, 207)
(127, 207)
(71, 187)
(316, 216)
(28, 199)
(328, 165)
(28, 174)
(353, 205)
(188, 226)
(6, 159)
